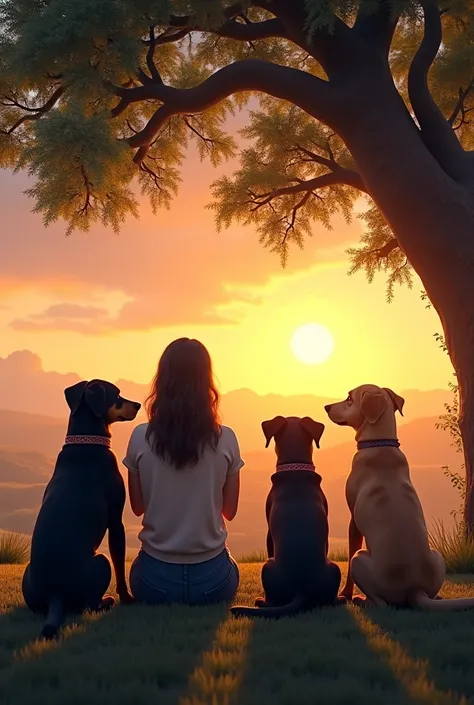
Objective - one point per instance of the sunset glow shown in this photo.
(106, 306)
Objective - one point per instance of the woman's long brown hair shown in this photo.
(183, 404)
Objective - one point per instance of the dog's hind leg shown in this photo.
(276, 586)
(327, 586)
(363, 575)
(434, 574)
(96, 581)
(35, 598)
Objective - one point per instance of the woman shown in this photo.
(184, 478)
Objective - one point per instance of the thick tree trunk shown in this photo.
(466, 424)
(458, 325)
(432, 218)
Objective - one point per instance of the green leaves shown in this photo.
(83, 172)
(270, 190)
(64, 65)
(379, 252)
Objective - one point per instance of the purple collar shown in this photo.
(382, 443)
(295, 466)
(87, 440)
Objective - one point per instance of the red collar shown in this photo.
(88, 440)
(295, 466)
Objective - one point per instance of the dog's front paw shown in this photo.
(49, 633)
(347, 594)
(106, 603)
(341, 600)
(360, 601)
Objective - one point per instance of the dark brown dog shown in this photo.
(297, 575)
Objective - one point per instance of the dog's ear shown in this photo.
(272, 427)
(314, 428)
(372, 405)
(74, 395)
(397, 400)
(95, 397)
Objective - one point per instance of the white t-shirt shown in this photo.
(183, 520)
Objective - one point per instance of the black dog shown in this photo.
(297, 575)
(84, 498)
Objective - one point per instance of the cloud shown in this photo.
(91, 320)
(25, 386)
(68, 311)
(66, 316)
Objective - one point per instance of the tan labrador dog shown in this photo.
(398, 568)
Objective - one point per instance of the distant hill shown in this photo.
(24, 466)
(26, 387)
(24, 472)
(31, 432)
(242, 409)
(23, 475)
(44, 434)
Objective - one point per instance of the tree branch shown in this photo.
(311, 94)
(88, 188)
(150, 57)
(232, 28)
(331, 47)
(436, 131)
(330, 162)
(382, 252)
(169, 37)
(291, 224)
(377, 27)
(207, 141)
(335, 46)
(459, 107)
(344, 177)
(181, 21)
(39, 112)
(252, 31)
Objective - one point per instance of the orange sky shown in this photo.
(104, 305)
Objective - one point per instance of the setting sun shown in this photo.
(312, 344)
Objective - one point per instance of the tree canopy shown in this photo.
(98, 93)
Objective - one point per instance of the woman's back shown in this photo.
(183, 478)
(183, 520)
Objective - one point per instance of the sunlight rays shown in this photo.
(216, 680)
(412, 673)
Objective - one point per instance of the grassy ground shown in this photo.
(196, 656)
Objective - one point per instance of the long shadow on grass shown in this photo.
(18, 627)
(322, 657)
(431, 654)
(133, 654)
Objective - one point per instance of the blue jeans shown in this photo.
(156, 582)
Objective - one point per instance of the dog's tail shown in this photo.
(296, 605)
(54, 619)
(421, 600)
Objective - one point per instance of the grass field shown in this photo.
(201, 656)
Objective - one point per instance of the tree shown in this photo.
(366, 98)
(449, 422)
